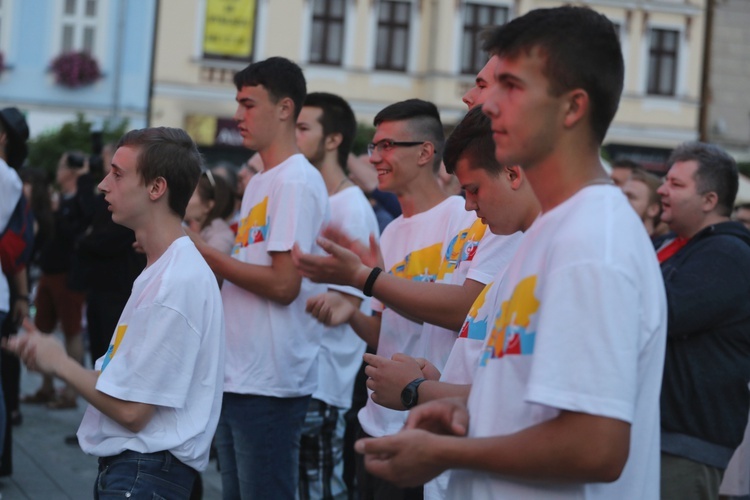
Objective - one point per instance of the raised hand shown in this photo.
(330, 308)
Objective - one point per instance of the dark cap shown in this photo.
(17, 130)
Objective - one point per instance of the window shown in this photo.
(327, 32)
(392, 46)
(229, 30)
(476, 18)
(79, 26)
(662, 62)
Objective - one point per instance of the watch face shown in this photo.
(408, 396)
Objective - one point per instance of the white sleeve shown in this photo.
(155, 360)
(10, 192)
(493, 256)
(586, 345)
(294, 217)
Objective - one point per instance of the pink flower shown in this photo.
(75, 69)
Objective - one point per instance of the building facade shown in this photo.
(376, 52)
(727, 120)
(117, 34)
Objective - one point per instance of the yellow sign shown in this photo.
(201, 128)
(229, 28)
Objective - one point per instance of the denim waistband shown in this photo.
(165, 457)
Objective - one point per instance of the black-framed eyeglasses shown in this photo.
(388, 144)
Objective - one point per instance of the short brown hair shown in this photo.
(169, 153)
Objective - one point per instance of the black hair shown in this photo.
(279, 76)
(581, 50)
(472, 140)
(337, 118)
(423, 119)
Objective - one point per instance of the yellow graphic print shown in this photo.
(119, 334)
(254, 227)
(419, 265)
(462, 248)
(474, 327)
(510, 333)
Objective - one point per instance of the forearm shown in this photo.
(367, 327)
(263, 281)
(131, 415)
(591, 449)
(430, 390)
(439, 304)
(21, 284)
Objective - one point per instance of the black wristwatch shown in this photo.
(410, 396)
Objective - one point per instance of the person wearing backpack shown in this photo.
(14, 133)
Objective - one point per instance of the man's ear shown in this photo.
(710, 200)
(333, 141)
(286, 109)
(515, 176)
(157, 189)
(577, 107)
(426, 154)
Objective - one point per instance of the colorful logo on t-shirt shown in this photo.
(474, 327)
(510, 333)
(119, 334)
(419, 265)
(253, 228)
(462, 248)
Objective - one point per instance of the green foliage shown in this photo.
(744, 168)
(363, 138)
(46, 149)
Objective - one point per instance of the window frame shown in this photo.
(389, 65)
(654, 83)
(327, 19)
(474, 30)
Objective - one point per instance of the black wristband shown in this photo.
(22, 297)
(367, 289)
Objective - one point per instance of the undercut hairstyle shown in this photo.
(423, 120)
(717, 171)
(337, 118)
(279, 76)
(472, 141)
(169, 153)
(581, 50)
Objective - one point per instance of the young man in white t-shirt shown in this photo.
(155, 396)
(435, 241)
(325, 132)
(565, 399)
(272, 343)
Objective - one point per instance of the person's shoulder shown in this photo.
(730, 238)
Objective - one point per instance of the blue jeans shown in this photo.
(258, 445)
(143, 475)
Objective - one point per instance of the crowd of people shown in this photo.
(531, 325)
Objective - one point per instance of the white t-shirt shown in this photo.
(272, 349)
(493, 253)
(10, 192)
(168, 351)
(341, 350)
(444, 244)
(580, 326)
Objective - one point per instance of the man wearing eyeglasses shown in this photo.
(435, 240)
